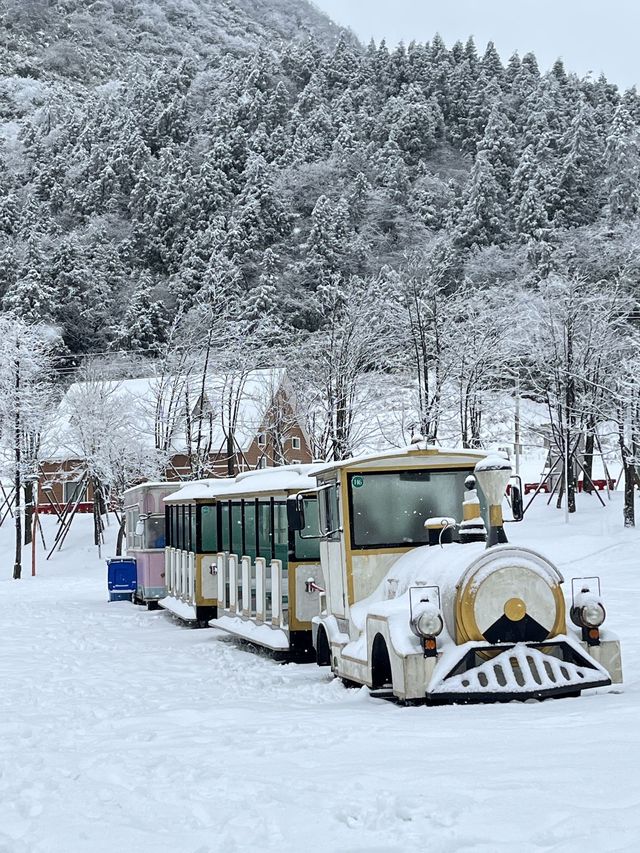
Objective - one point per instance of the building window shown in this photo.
(296, 462)
(262, 439)
(295, 443)
(262, 462)
(71, 491)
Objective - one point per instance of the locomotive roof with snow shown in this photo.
(414, 454)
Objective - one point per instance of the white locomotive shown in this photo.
(448, 621)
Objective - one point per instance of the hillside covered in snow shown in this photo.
(194, 185)
(155, 155)
(91, 42)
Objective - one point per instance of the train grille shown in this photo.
(521, 671)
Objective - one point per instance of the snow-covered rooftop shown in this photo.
(416, 450)
(152, 405)
(286, 478)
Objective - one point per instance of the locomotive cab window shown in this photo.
(307, 541)
(388, 509)
(329, 512)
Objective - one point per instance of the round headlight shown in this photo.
(427, 622)
(592, 615)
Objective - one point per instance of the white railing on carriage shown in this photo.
(174, 572)
(246, 587)
(174, 561)
(191, 575)
(173, 579)
(167, 571)
(260, 574)
(181, 574)
(254, 590)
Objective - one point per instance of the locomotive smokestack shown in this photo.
(493, 474)
(472, 528)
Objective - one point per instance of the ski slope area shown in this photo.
(122, 731)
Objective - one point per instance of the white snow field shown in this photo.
(122, 731)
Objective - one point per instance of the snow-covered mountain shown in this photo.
(84, 40)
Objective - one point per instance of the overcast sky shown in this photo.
(590, 35)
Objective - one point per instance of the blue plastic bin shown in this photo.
(122, 578)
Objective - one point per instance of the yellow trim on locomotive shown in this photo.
(295, 624)
(467, 629)
(515, 609)
(200, 600)
(343, 474)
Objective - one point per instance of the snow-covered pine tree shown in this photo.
(144, 328)
(622, 158)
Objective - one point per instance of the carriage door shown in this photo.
(332, 550)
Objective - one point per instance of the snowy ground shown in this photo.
(121, 731)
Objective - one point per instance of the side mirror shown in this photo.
(295, 513)
(517, 504)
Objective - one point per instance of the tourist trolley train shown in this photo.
(145, 530)
(190, 554)
(232, 559)
(386, 564)
(447, 621)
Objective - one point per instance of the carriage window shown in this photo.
(264, 529)
(224, 521)
(132, 520)
(250, 529)
(154, 532)
(281, 531)
(192, 510)
(180, 529)
(236, 529)
(208, 529)
(187, 528)
(184, 527)
(174, 526)
(389, 509)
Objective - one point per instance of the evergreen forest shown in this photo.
(271, 171)
(421, 226)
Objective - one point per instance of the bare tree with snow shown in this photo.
(25, 402)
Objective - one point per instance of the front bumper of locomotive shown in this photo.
(485, 672)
